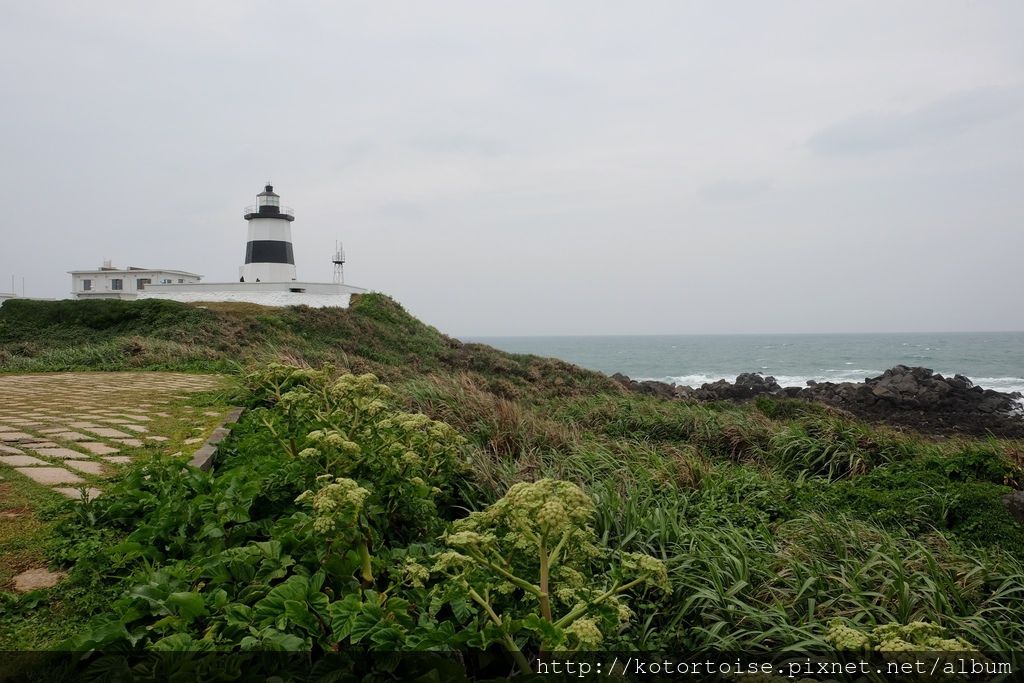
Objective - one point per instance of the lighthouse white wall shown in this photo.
(312, 294)
(269, 229)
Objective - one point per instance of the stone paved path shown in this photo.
(70, 430)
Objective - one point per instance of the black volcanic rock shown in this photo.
(914, 397)
(649, 387)
(747, 385)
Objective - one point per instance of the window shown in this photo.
(117, 284)
(180, 280)
(165, 281)
(86, 285)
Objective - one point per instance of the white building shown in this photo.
(108, 282)
(268, 275)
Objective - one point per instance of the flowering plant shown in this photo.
(531, 565)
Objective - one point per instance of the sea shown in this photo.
(993, 360)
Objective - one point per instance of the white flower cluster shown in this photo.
(917, 636)
(335, 505)
(586, 632)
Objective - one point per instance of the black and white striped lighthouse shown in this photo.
(268, 254)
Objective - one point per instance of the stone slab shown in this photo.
(135, 428)
(134, 443)
(9, 449)
(35, 579)
(118, 459)
(76, 494)
(70, 436)
(50, 475)
(62, 453)
(14, 437)
(108, 433)
(203, 458)
(20, 460)
(98, 448)
(87, 466)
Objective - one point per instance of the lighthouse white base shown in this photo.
(267, 272)
(313, 294)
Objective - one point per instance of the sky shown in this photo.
(537, 168)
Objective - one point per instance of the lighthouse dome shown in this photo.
(268, 197)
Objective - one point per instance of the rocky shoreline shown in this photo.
(913, 397)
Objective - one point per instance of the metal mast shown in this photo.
(339, 263)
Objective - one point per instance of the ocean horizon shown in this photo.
(993, 360)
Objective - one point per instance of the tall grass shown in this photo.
(731, 499)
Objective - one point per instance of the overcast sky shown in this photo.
(537, 167)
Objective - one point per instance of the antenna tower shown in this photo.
(339, 263)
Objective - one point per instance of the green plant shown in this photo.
(532, 564)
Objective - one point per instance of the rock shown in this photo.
(649, 387)
(657, 389)
(34, 579)
(747, 385)
(914, 397)
(685, 392)
(1015, 504)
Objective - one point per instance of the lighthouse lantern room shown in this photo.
(268, 252)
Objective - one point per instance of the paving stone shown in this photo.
(34, 579)
(136, 428)
(16, 436)
(156, 438)
(20, 460)
(118, 459)
(142, 418)
(36, 445)
(62, 453)
(193, 440)
(76, 494)
(98, 448)
(134, 443)
(8, 449)
(50, 475)
(70, 436)
(87, 466)
(82, 425)
(108, 433)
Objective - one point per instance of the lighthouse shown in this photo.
(268, 252)
(267, 278)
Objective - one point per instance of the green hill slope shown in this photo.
(375, 334)
(745, 527)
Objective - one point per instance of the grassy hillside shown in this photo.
(482, 499)
(374, 334)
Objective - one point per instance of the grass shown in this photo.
(22, 531)
(374, 334)
(30, 535)
(774, 517)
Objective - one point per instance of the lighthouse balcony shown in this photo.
(268, 211)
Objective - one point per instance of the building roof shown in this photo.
(133, 270)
